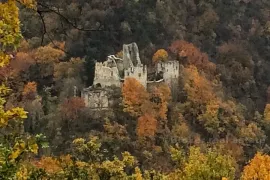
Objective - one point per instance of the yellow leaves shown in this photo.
(160, 55)
(258, 168)
(22, 173)
(33, 148)
(267, 113)
(78, 141)
(15, 113)
(4, 58)
(18, 148)
(4, 90)
(138, 174)
(128, 159)
(9, 23)
(32, 4)
(21, 146)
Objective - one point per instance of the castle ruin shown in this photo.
(112, 73)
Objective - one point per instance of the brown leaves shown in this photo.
(48, 54)
(70, 108)
(21, 62)
(193, 56)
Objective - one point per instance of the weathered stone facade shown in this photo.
(170, 73)
(106, 74)
(95, 98)
(114, 71)
(139, 73)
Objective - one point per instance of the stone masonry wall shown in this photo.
(139, 73)
(106, 76)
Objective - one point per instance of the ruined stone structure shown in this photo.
(106, 74)
(95, 98)
(139, 73)
(113, 72)
(170, 73)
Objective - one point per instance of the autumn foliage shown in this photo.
(199, 89)
(71, 107)
(134, 96)
(148, 107)
(258, 168)
(193, 55)
(30, 90)
(47, 54)
(267, 113)
(21, 62)
(160, 55)
(147, 125)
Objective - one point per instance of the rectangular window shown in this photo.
(140, 74)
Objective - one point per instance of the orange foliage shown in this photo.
(134, 96)
(163, 93)
(160, 55)
(258, 168)
(148, 107)
(147, 125)
(71, 107)
(30, 90)
(49, 164)
(193, 55)
(199, 89)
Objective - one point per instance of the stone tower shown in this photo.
(170, 71)
(131, 56)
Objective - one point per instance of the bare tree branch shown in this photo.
(48, 9)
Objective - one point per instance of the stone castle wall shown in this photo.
(114, 70)
(96, 98)
(170, 72)
(106, 76)
(139, 73)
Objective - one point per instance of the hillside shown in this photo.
(134, 89)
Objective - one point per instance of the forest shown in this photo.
(216, 128)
